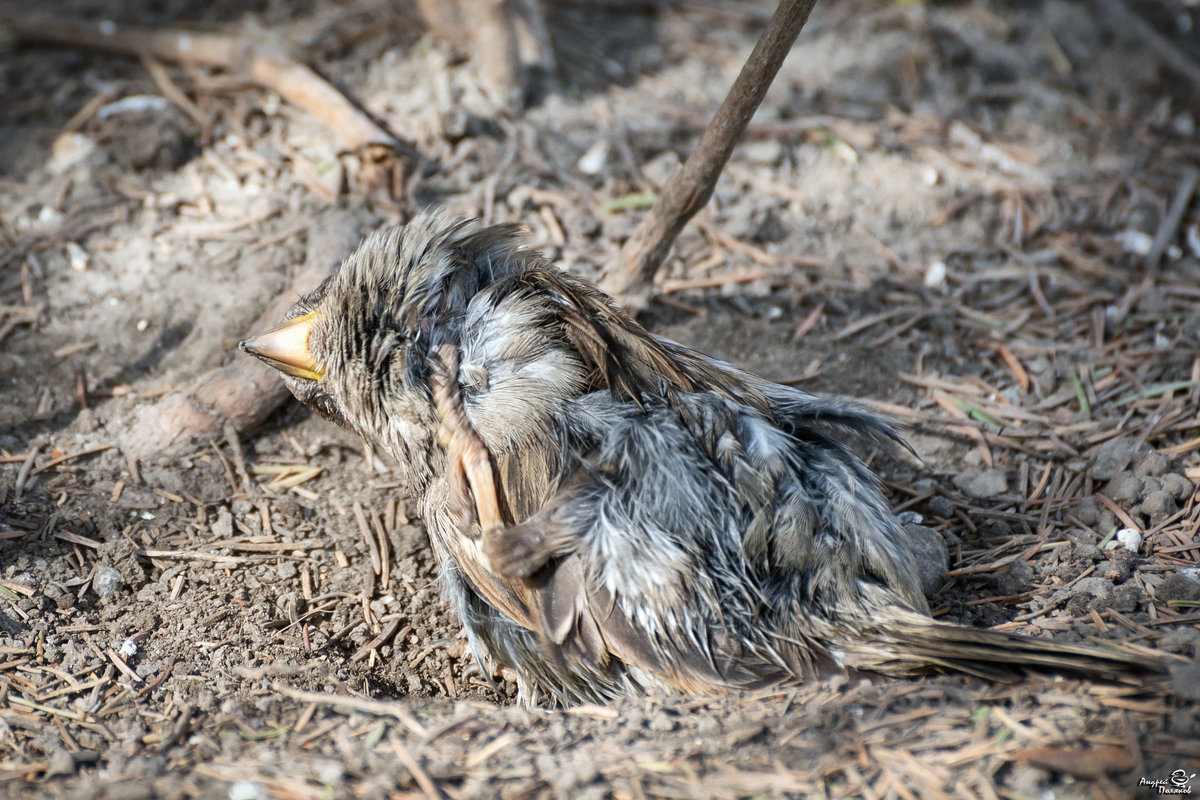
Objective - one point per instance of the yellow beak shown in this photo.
(286, 348)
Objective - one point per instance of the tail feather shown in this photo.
(913, 644)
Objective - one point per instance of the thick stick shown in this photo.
(257, 62)
(692, 185)
(246, 391)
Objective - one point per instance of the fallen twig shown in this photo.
(259, 62)
(1170, 222)
(1122, 17)
(245, 392)
(690, 187)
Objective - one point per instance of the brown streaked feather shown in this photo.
(511, 598)
(467, 457)
(627, 358)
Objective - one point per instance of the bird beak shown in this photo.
(286, 348)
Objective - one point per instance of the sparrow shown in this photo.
(614, 513)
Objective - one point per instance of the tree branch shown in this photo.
(692, 185)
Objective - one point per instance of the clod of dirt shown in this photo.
(61, 762)
(1088, 594)
(982, 484)
(1014, 580)
(1114, 455)
(1150, 464)
(932, 557)
(1178, 586)
(1179, 486)
(1186, 679)
(1124, 488)
(1158, 506)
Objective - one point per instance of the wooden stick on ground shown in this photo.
(259, 62)
(692, 185)
(246, 391)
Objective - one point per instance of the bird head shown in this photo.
(357, 350)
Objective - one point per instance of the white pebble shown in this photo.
(935, 276)
(1130, 538)
(592, 162)
(1135, 242)
(245, 790)
(78, 257)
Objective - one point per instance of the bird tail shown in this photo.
(912, 644)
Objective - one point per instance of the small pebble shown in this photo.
(982, 484)
(1130, 538)
(245, 790)
(935, 276)
(106, 581)
(592, 162)
(1135, 242)
(931, 556)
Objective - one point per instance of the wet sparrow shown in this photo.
(613, 512)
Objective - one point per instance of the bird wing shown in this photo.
(534, 343)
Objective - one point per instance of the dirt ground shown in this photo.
(949, 210)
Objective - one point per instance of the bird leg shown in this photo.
(470, 466)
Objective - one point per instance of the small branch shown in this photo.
(258, 62)
(692, 185)
(1170, 223)
(1121, 16)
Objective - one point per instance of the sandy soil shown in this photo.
(942, 209)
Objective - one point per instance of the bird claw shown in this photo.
(515, 552)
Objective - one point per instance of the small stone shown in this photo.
(223, 527)
(77, 257)
(592, 162)
(932, 557)
(982, 484)
(1014, 580)
(1130, 538)
(1087, 511)
(1125, 488)
(1136, 242)
(1158, 506)
(1186, 680)
(1126, 598)
(935, 277)
(941, 507)
(69, 150)
(1178, 586)
(1179, 486)
(245, 790)
(1114, 455)
(1152, 463)
(106, 581)
(1089, 594)
(61, 762)
(662, 722)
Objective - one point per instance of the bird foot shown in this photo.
(516, 551)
